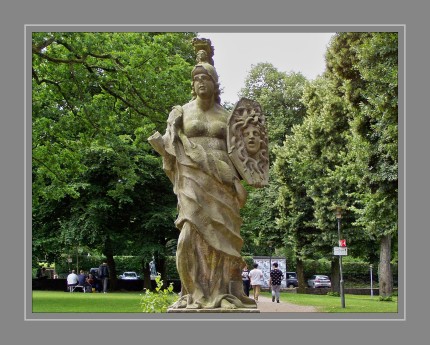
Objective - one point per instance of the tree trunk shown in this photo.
(146, 275)
(300, 270)
(385, 274)
(161, 268)
(335, 275)
(112, 271)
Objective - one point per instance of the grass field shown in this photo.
(129, 302)
(77, 302)
(331, 304)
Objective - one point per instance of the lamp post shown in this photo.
(371, 280)
(270, 258)
(342, 294)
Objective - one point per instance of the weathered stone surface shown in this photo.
(216, 310)
(247, 142)
(210, 195)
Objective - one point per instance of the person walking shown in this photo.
(104, 275)
(275, 280)
(245, 280)
(256, 276)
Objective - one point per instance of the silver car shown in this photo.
(129, 276)
(319, 280)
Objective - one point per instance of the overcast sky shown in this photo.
(235, 53)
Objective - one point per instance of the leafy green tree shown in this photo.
(374, 144)
(97, 97)
(307, 166)
(345, 153)
(279, 94)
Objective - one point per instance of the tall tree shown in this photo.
(279, 94)
(96, 99)
(345, 153)
(308, 169)
(374, 142)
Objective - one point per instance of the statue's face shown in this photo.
(203, 86)
(201, 55)
(251, 135)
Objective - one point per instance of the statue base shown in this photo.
(214, 310)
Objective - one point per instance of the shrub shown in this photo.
(333, 294)
(171, 271)
(158, 301)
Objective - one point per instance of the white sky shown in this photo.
(288, 52)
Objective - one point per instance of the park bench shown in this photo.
(72, 288)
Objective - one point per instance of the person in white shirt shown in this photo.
(256, 276)
(72, 279)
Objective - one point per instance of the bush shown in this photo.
(333, 294)
(171, 271)
(249, 261)
(158, 301)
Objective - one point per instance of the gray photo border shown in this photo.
(412, 14)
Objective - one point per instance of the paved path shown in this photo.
(266, 305)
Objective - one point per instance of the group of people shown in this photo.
(254, 278)
(42, 273)
(89, 282)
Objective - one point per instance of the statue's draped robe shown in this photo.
(208, 255)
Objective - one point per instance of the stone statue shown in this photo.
(152, 268)
(209, 190)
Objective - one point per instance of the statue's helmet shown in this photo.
(205, 68)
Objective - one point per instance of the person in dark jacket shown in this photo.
(104, 275)
(275, 281)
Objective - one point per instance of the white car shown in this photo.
(319, 280)
(129, 276)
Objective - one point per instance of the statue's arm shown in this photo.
(241, 193)
(164, 144)
(156, 141)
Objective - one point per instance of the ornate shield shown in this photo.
(247, 142)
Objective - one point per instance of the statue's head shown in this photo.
(205, 68)
(205, 65)
(208, 69)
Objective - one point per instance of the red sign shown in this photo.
(342, 243)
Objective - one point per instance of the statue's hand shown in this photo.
(156, 141)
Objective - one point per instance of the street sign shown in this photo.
(340, 251)
(342, 243)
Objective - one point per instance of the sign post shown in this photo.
(341, 251)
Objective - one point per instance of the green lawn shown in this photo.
(129, 302)
(78, 302)
(331, 304)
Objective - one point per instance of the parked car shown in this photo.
(129, 276)
(319, 280)
(292, 281)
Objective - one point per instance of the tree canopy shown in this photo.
(96, 99)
